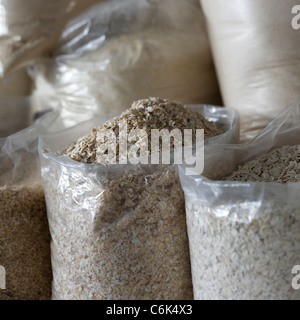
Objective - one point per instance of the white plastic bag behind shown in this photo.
(257, 56)
(29, 28)
(125, 50)
(244, 236)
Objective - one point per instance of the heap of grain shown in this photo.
(280, 165)
(119, 232)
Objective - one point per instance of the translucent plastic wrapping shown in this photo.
(244, 236)
(29, 28)
(24, 231)
(257, 56)
(124, 50)
(118, 232)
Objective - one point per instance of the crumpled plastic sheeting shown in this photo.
(29, 28)
(257, 57)
(24, 145)
(125, 50)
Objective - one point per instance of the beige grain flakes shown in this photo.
(119, 232)
(232, 260)
(118, 237)
(245, 237)
(147, 114)
(279, 165)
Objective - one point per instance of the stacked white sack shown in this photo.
(257, 56)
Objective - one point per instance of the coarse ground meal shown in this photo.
(25, 243)
(24, 231)
(245, 240)
(119, 232)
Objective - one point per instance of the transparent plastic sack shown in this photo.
(124, 50)
(29, 28)
(244, 237)
(257, 57)
(118, 232)
(24, 231)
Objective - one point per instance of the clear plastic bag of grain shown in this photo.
(243, 216)
(24, 231)
(119, 231)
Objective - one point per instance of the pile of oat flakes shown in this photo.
(147, 114)
(279, 165)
